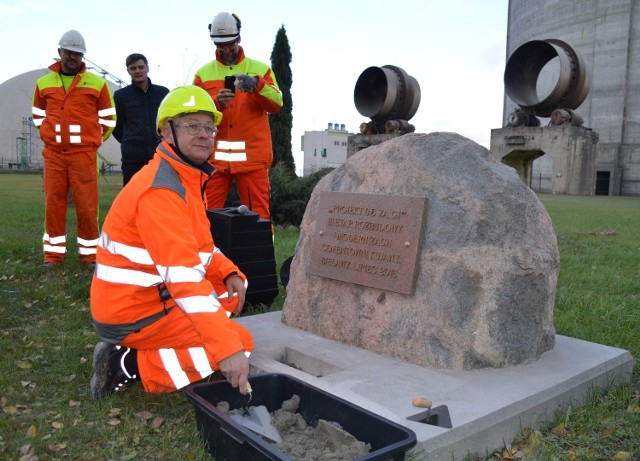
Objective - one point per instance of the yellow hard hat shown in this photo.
(186, 99)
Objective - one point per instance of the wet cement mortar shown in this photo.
(302, 442)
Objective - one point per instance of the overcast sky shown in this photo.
(455, 49)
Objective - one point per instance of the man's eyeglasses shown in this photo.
(194, 128)
(227, 46)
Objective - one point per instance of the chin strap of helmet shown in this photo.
(175, 146)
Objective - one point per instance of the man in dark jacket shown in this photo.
(136, 109)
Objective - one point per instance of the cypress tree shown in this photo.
(281, 123)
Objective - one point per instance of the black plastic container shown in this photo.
(228, 440)
(247, 240)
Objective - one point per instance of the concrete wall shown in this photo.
(569, 153)
(607, 35)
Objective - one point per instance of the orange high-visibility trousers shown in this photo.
(253, 188)
(171, 353)
(77, 172)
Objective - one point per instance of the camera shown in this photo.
(230, 83)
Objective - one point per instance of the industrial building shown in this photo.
(606, 33)
(324, 149)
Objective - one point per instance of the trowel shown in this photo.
(257, 419)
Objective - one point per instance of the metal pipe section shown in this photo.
(386, 93)
(523, 71)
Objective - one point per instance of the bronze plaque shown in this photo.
(368, 239)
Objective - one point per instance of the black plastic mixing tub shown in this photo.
(227, 440)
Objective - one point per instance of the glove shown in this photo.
(246, 83)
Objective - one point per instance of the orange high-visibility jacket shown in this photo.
(77, 120)
(244, 137)
(157, 235)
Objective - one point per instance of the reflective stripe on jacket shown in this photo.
(77, 120)
(157, 235)
(244, 137)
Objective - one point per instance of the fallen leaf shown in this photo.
(520, 454)
(608, 232)
(113, 422)
(622, 456)
(24, 364)
(633, 409)
(559, 430)
(27, 449)
(157, 422)
(10, 410)
(57, 425)
(74, 403)
(114, 411)
(31, 432)
(57, 447)
(145, 415)
(535, 438)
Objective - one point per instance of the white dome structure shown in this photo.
(20, 144)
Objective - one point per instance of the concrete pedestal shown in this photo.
(572, 151)
(487, 408)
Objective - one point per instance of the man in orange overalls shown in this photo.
(243, 151)
(162, 293)
(74, 111)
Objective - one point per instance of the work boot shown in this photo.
(114, 368)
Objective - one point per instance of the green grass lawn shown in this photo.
(47, 338)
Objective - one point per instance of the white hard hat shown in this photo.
(72, 41)
(224, 28)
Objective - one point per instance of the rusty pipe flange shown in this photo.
(522, 117)
(398, 126)
(566, 117)
(523, 71)
(408, 99)
(387, 92)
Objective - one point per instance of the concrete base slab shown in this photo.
(486, 408)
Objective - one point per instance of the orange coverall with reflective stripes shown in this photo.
(156, 235)
(72, 124)
(243, 149)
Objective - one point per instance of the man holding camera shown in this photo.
(246, 91)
